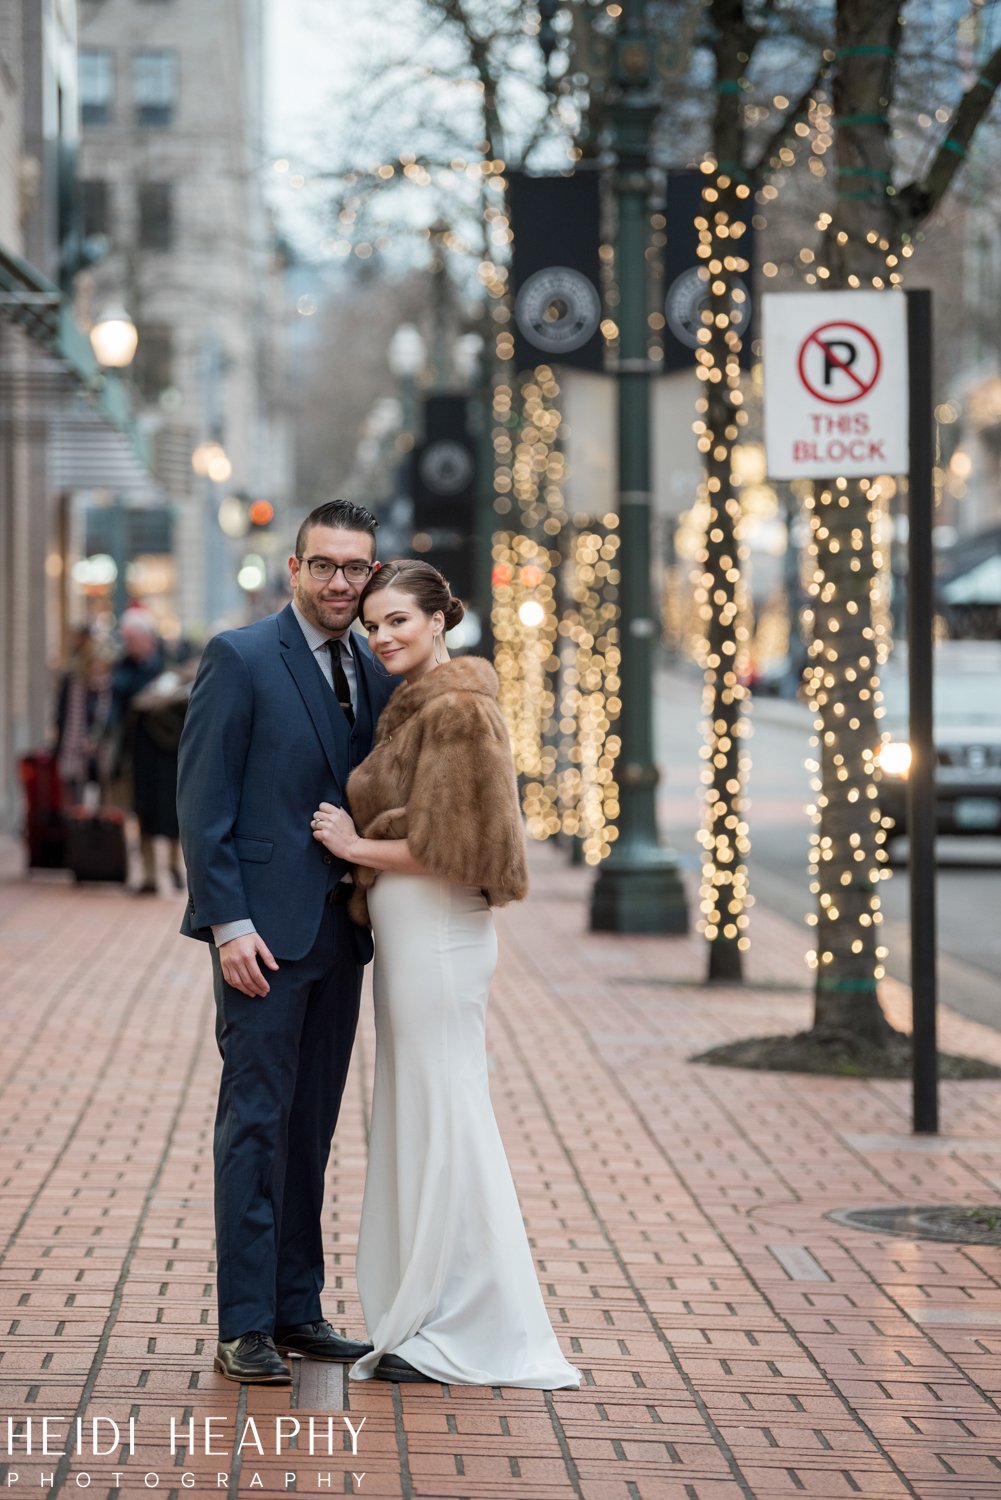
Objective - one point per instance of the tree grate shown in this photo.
(978, 1224)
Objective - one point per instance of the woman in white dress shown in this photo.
(445, 1273)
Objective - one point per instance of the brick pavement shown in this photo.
(734, 1340)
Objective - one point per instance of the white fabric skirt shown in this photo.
(445, 1272)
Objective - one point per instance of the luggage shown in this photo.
(95, 844)
(44, 823)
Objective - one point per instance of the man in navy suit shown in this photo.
(280, 714)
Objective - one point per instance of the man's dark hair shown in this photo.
(342, 515)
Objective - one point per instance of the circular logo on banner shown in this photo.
(446, 467)
(558, 310)
(686, 298)
(839, 362)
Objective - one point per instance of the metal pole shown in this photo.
(483, 501)
(639, 886)
(921, 781)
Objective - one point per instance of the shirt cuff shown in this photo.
(225, 932)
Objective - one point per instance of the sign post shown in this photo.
(921, 782)
(848, 393)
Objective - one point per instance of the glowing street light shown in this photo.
(114, 338)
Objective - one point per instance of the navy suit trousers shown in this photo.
(285, 1059)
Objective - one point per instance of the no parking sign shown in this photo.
(835, 368)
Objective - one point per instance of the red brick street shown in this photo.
(735, 1341)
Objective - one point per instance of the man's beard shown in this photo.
(321, 613)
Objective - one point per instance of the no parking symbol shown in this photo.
(839, 362)
(835, 367)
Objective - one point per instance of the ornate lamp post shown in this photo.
(639, 886)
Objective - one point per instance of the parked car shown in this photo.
(967, 717)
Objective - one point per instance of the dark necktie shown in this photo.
(340, 677)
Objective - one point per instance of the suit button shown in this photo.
(327, 860)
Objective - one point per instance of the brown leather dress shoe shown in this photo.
(319, 1341)
(252, 1359)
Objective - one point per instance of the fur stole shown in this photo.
(441, 775)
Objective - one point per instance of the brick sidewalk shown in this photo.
(735, 1341)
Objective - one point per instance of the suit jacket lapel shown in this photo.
(334, 736)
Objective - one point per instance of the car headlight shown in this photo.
(894, 758)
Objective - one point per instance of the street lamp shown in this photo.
(114, 338)
(638, 887)
(466, 357)
(407, 352)
(407, 357)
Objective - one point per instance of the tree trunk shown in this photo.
(848, 857)
(727, 207)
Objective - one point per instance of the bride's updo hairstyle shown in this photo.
(422, 582)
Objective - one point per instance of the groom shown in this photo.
(280, 713)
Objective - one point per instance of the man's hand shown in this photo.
(240, 967)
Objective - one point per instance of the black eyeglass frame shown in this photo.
(355, 562)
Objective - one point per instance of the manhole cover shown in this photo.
(979, 1224)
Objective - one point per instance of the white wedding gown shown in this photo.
(445, 1272)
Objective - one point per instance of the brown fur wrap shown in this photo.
(441, 775)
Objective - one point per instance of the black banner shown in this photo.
(685, 292)
(555, 270)
(443, 486)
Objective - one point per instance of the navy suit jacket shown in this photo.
(265, 743)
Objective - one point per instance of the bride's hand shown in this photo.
(334, 829)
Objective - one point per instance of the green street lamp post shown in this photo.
(638, 887)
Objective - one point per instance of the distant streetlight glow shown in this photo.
(252, 574)
(233, 518)
(407, 352)
(97, 571)
(211, 461)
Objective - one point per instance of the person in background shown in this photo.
(83, 709)
(146, 755)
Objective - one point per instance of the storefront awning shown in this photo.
(92, 440)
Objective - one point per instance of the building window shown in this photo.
(97, 86)
(153, 366)
(156, 216)
(155, 81)
(95, 205)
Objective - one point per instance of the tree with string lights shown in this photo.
(865, 242)
(736, 28)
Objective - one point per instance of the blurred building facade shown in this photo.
(54, 399)
(171, 177)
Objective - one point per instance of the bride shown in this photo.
(445, 1273)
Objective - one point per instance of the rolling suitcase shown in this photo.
(44, 823)
(95, 844)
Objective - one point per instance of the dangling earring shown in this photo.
(439, 654)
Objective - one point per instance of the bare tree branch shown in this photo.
(918, 199)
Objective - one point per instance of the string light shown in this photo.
(555, 616)
(849, 641)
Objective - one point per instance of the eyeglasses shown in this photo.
(322, 569)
